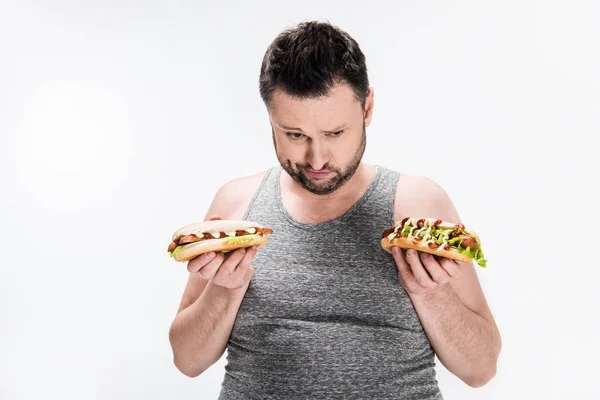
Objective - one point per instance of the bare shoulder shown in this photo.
(421, 196)
(233, 197)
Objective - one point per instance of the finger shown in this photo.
(437, 273)
(249, 272)
(452, 267)
(209, 270)
(214, 217)
(401, 263)
(200, 261)
(228, 266)
(245, 264)
(418, 270)
(248, 257)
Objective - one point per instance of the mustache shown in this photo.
(325, 167)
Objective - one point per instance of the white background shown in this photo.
(120, 119)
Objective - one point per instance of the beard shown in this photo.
(323, 187)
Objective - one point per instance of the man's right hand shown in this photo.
(232, 271)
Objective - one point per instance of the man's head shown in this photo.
(314, 83)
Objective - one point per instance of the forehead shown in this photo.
(339, 103)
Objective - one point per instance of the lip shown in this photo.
(317, 174)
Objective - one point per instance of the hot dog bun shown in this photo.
(406, 243)
(218, 225)
(192, 250)
(216, 235)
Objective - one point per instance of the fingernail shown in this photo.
(210, 255)
(424, 256)
(411, 252)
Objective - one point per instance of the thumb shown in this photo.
(214, 217)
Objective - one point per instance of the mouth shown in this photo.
(321, 174)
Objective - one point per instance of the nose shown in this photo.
(317, 156)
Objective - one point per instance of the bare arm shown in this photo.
(447, 295)
(214, 291)
(199, 333)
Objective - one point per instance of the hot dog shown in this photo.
(216, 235)
(437, 237)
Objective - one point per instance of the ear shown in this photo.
(369, 105)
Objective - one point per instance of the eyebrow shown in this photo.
(291, 128)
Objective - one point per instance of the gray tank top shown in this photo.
(325, 316)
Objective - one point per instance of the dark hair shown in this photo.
(308, 60)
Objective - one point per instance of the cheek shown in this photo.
(345, 149)
(288, 151)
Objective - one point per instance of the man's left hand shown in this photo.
(421, 273)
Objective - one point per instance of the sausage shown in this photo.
(387, 232)
(468, 241)
(188, 239)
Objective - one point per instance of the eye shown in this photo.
(335, 134)
(294, 135)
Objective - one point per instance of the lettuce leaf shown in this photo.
(240, 239)
(440, 232)
(477, 255)
(455, 242)
(480, 259)
(406, 230)
(470, 252)
(176, 249)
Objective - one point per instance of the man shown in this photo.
(322, 311)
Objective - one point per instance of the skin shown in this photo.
(328, 134)
(321, 134)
